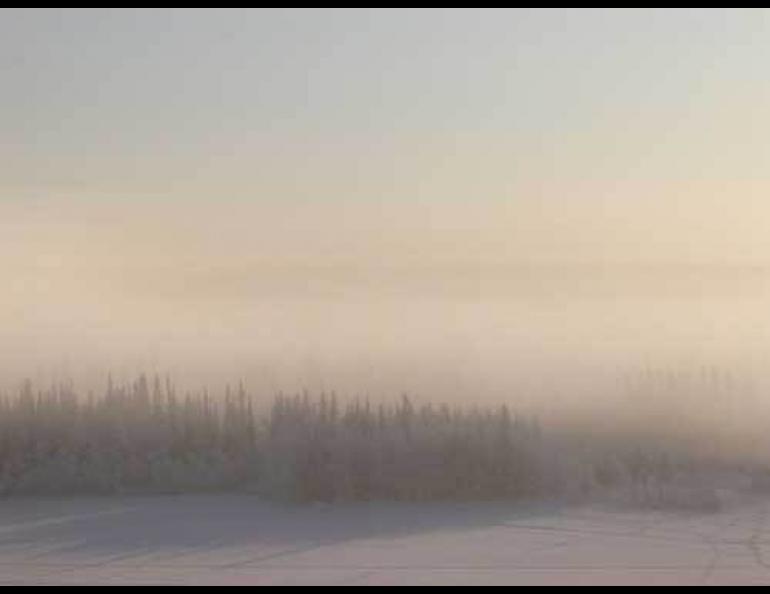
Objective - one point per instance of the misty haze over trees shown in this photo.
(144, 438)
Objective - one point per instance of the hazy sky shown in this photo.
(571, 132)
(169, 175)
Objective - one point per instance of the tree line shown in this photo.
(145, 438)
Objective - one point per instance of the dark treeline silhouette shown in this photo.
(144, 438)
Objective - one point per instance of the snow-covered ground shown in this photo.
(242, 541)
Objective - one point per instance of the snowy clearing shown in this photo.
(242, 541)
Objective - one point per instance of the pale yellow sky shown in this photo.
(366, 196)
